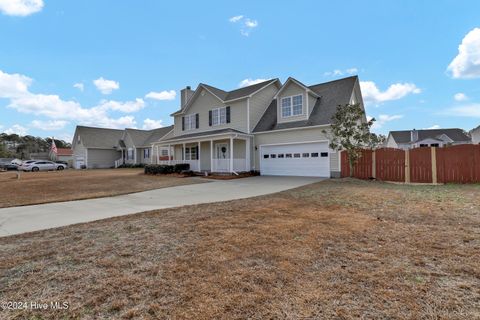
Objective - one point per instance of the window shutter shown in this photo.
(228, 114)
(197, 118)
(210, 118)
(197, 152)
(183, 123)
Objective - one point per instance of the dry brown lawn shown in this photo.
(54, 186)
(332, 250)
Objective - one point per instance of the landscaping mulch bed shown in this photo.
(341, 249)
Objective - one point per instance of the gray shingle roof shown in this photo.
(204, 133)
(143, 138)
(103, 138)
(455, 134)
(332, 94)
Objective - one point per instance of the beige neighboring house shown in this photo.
(96, 148)
(408, 139)
(475, 135)
(136, 145)
(270, 127)
(63, 154)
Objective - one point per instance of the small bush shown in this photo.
(166, 169)
(180, 167)
(131, 165)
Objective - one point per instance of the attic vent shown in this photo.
(202, 93)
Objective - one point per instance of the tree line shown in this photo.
(16, 146)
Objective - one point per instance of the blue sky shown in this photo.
(419, 61)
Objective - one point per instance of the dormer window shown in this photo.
(292, 106)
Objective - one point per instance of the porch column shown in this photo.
(123, 159)
(211, 155)
(231, 154)
(157, 156)
(184, 154)
(169, 154)
(151, 155)
(247, 154)
(199, 156)
(135, 155)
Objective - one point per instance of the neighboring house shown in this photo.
(408, 139)
(63, 154)
(475, 135)
(137, 144)
(268, 127)
(96, 147)
(108, 148)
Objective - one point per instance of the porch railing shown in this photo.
(223, 165)
(219, 165)
(118, 163)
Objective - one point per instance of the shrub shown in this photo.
(131, 165)
(165, 169)
(180, 167)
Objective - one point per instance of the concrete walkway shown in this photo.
(44, 216)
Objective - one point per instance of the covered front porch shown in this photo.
(228, 153)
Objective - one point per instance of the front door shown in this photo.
(221, 151)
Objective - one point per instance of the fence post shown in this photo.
(407, 166)
(434, 165)
(374, 165)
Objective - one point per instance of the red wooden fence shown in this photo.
(390, 164)
(459, 164)
(421, 165)
(363, 167)
(454, 164)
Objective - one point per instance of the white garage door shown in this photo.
(301, 159)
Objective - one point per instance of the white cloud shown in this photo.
(435, 126)
(382, 119)
(17, 129)
(163, 95)
(49, 125)
(460, 96)
(15, 87)
(80, 86)
(149, 124)
(396, 91)
(248, 82)
(20, 8)
(338, 72)
(126, 106)
(246, 24)
(466, 64)
(470, 110)
(236, 18)
(106, 86)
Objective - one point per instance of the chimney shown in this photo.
(185, 95)
(413, 135)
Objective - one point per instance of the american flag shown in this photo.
(53, 148)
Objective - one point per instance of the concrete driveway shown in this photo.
(44, 216)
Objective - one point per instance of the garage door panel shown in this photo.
(304, 159)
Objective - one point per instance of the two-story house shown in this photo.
(270, 127)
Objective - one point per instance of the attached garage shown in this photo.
(295, 159)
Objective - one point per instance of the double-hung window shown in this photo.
(190, 122)
(219, 116)
(146, 153)
(292, 106)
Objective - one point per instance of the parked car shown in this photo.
(8, 166)
(41, 165)
(62, 162)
